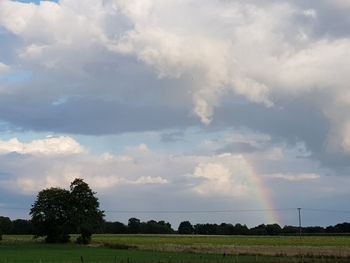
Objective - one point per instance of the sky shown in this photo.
(203, 110)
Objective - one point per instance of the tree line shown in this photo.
(136, 226)
(58, 212)
(260, 230)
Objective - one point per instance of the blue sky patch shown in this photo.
(17, 77)
(33, 1)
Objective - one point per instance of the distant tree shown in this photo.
(273, 230)
(22, 227)
(154, 227)
(206, 229)
(51, 215)
(165, 227)
(134, 225)
(313, 229)
(86, 217)
(343, 228)
(259, 230)
(115, 228)
(290, 230)
(185, 228)
(241, 229)
(338, 228)
(5, 225)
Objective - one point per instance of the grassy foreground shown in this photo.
(174, 249)
(188, 240)
(71, 253)
(235, 245)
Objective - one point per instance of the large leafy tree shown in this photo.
(134, 225)
(185, 227)
(58, 212)
(86, 217)
(5, 225)
(51, 215)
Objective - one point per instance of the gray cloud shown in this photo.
(279, 69)
(104, 80)
(238, 147)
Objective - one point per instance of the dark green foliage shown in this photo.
(259, 230)
(313, 229)
(50, 215)
(186, 228)
(118, 246)
(57, 212)
(114, 228)
(206, 229)
(154, 227)
(22, 227)
(25, 227)
(273, 230)
(85, 236)
(226, 229)
(222, 229)
(5, 225)
(339, 228)
(134, 225)
(86, 217)
(165, 227)
(290, 230)
(241, 230)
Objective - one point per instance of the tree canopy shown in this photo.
(185, 227)
(51, 215)
(25, 227)
(58, 212)
(85, 214)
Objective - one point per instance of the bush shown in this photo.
(118, 246)
(83, 240)
(57, 238)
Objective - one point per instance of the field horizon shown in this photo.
(177, 248)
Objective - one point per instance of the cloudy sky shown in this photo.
(166, 107)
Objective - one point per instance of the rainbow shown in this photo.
(263, 196)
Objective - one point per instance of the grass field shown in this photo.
(72, 253)
(184, 240)
(233, 245)
(176, 249)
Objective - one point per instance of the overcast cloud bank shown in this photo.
(265, 84)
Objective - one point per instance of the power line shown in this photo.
(174, 211)
(326, 210)
(196, 211)
(199, 211)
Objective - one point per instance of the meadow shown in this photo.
(178, 249)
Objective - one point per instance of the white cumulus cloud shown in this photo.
(4, 68)
(295, 177)
(203, 53)
(48, 146)
(224, 175)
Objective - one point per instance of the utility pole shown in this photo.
(299, 213)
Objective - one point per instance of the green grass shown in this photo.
(25, 249)
(44, 253)
(154, 240)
